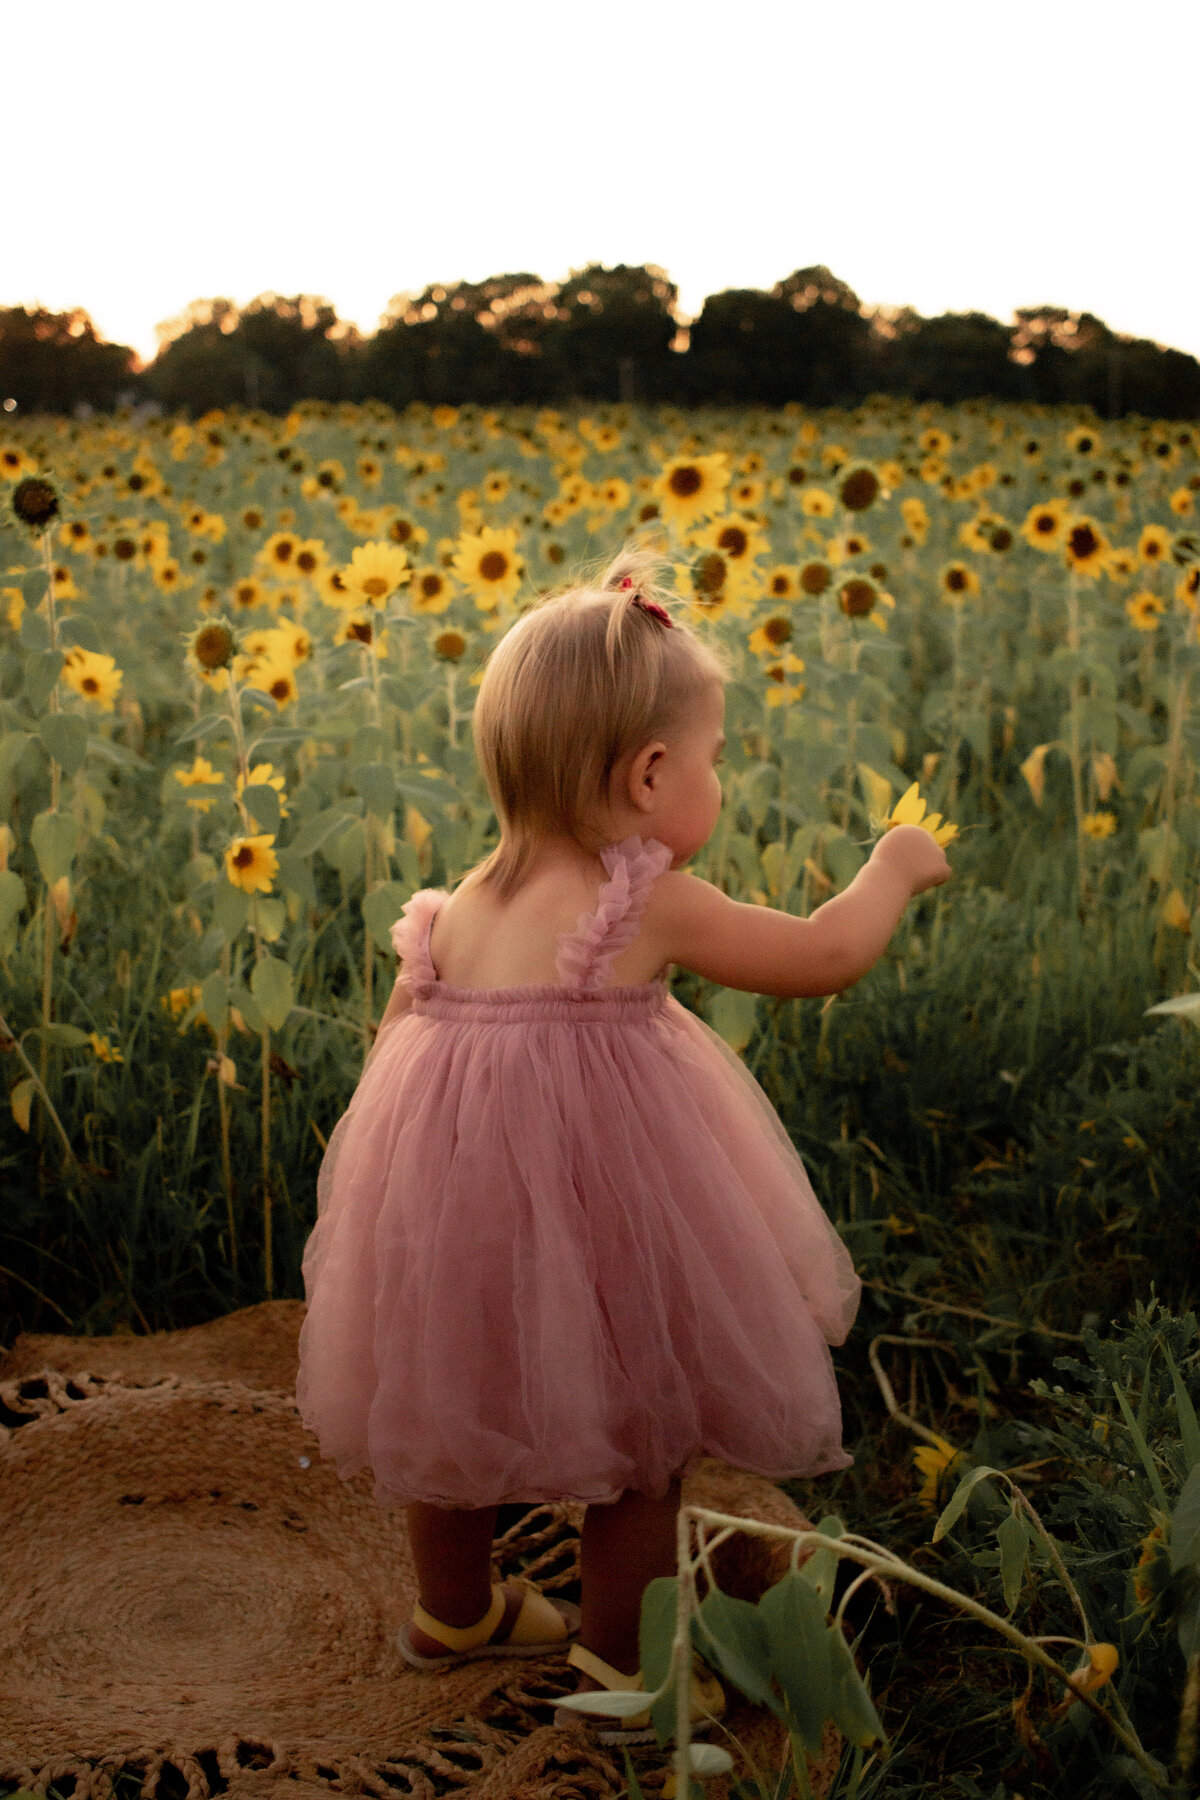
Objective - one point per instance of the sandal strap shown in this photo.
(599, 1670)
(462, 1637)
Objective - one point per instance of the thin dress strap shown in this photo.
(585, 955)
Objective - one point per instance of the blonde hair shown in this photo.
(582, 679)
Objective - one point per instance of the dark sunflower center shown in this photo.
(243, 857)
(815, 577)
(1084, 542)
(733, 541)
(859, 489)
(710, 573)
(685, 482)
(493, 566)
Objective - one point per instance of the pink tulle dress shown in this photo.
(564, 1244)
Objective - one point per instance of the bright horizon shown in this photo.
(925, 159)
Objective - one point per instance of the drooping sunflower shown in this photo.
(1085, 547)
(691, 488)
(705, 583)
(815, 576)
(210, 649)
(375, 572)
(34, 503)
(450, 645)
(251, 864)
(487, 565)
(859, 487)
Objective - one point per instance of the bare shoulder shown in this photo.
(759, 949)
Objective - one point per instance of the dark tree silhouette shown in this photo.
(269, 354)
(54, 362)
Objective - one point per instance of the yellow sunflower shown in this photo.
(690, 488)
(769, 637)
(1045, 525)
(487, 565)
(375, 572)
(956, 581)
(1154, 545)
(816, 503)
(783, 582)
(95, 677)
(432, 590)
(251, 864)
(247, 593)
(201, 774)
(910, 810)
(1144, 610)
(1085, 441)
(915, 516)
(1187, 589)
(263, 775)
(738, 539)
(1085, 547)
(1098, 824)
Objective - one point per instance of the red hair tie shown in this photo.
(650, 606)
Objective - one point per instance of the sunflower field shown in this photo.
(237, 664)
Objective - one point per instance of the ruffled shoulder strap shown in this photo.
(585, 955)
(410, 936)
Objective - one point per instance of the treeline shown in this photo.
(604, 334)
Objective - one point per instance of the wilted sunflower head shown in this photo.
(211, 646)
(34, 502)
(450, 645)
(815, 577)
(859, 488)
(857, 596)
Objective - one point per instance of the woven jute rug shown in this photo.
(190, 1597)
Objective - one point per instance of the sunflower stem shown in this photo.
(223, 1113)
(47, 903)
(1073, 641)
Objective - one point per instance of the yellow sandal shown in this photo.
(707, 1701)
(541, 1625)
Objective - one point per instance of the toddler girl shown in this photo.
(564, 1244)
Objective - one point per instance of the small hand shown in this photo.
(916, 855)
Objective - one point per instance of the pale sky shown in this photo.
(940, 153)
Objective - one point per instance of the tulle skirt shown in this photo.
(564, 1246)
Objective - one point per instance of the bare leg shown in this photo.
(452, 1550)
(625, 1545)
